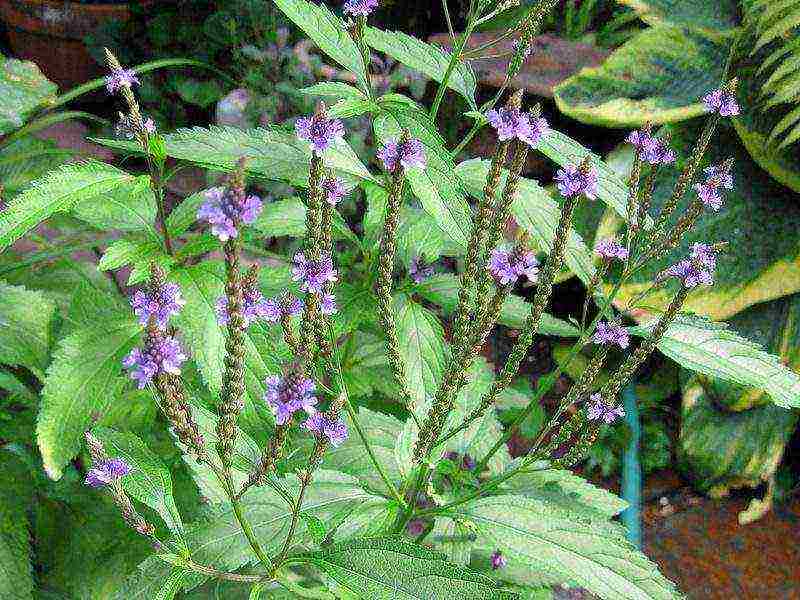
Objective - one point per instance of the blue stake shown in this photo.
(632, 469)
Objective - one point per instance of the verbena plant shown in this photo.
(309, 494)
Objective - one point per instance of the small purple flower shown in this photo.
(289, 394)
(284, 306)
(334, 430)
(159, 305)
(318, 129)
(599, 409)
(254, 307)
(498, 560)
(334, 190)
(359, 8)
(572, 180)
(121, 78)
(468, 463)
(313, 275)
(160, 354)
(506, 267)
(652, 150)
(718, 177)
(609, 334)
(415, 527)
(512, 123)
(697, 269)
(327, 304)
(225, 210)
(106, 472)
(610, 249)
(721, 101)
(409, 155)
(527, 49)
(419, 271)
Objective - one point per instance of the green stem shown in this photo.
(458, 48)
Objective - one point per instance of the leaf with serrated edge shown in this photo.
(26, 328)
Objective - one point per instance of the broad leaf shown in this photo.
(130, 206)
(137, 252)
(16, 494)
(23, 89)
(334, 89)
(714, 18)
(59, 191)
(287, 217)
(657, 76)
(426, 58)
(384, 568)
(26, 328)
(27, 159)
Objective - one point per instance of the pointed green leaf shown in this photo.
(714, 18)
(26, 328)
(23, 89)
(137, 252)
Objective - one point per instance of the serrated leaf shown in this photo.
(16, 569)
(333, 89)
(714, 18)
(139, 253)
(26, 328)
(23, 89)
(83, 379)
(394, 568)
(130, 206)
(148, 580)
(537, 213)
(443, 290)
(541, 538)
(58, 191)
(327, 31)
(426, 58)
(27, 159)
(287, 217)
(149, 481)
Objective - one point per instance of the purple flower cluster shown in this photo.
(361, 8)
(409, 154)
(334, 190)
(286, 305)
(254, 307)
(610, 249)
(572, 180)
(287, 395)
(507, 266)
(527, 50)
(333, 429)
(651, 149)
(225, 210)
(610, 334)
(697, 269)
(512, 123)
(318, 129)
(160, 354)
(721, 101)
(718, 177)
(121, 78)
(159, 304)
(598, 409)
(327, 304)
(498, 560)
(106, 472)
(418, 270)
(313, 275)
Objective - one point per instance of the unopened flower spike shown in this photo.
(320, 130)
(600, 410)
(578, 180)
(723, 101)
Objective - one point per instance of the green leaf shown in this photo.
(712, 18)
(199, 93)
(137, 252)
(287, 217)
(149, 481)
(384, 568)
(334, 89)
(16, 569)
(26, 328)
(543, 540)
(153, 579)
(328, 32)
(184, 215)
(83, 379)
(27, 159)
(59, 191)
(536, 212)
(636, 84)
(426, 58)
(443, 290)
(130, 206)
(23, 89)
(272, 154)
(714, 350)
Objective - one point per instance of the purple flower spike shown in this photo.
(600, 410)
(334, 190)
(106, 472)
(160, 354)
(318, 129)
(507, 268)
(409, 155)
(159, 304)
(498, 560)
(610, 249)
(334, 430)
(121, 78)
(254, 307)
(359, 8)
(225, 210)
(696, 270)
(651, 149)
(512, 123)
(721, 101)
(418, 270)
(313, 275)
(718, 177)
(609, 334)
(289, 394)
(572, 180)
(327, 304)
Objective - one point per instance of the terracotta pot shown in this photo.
(51, 32)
